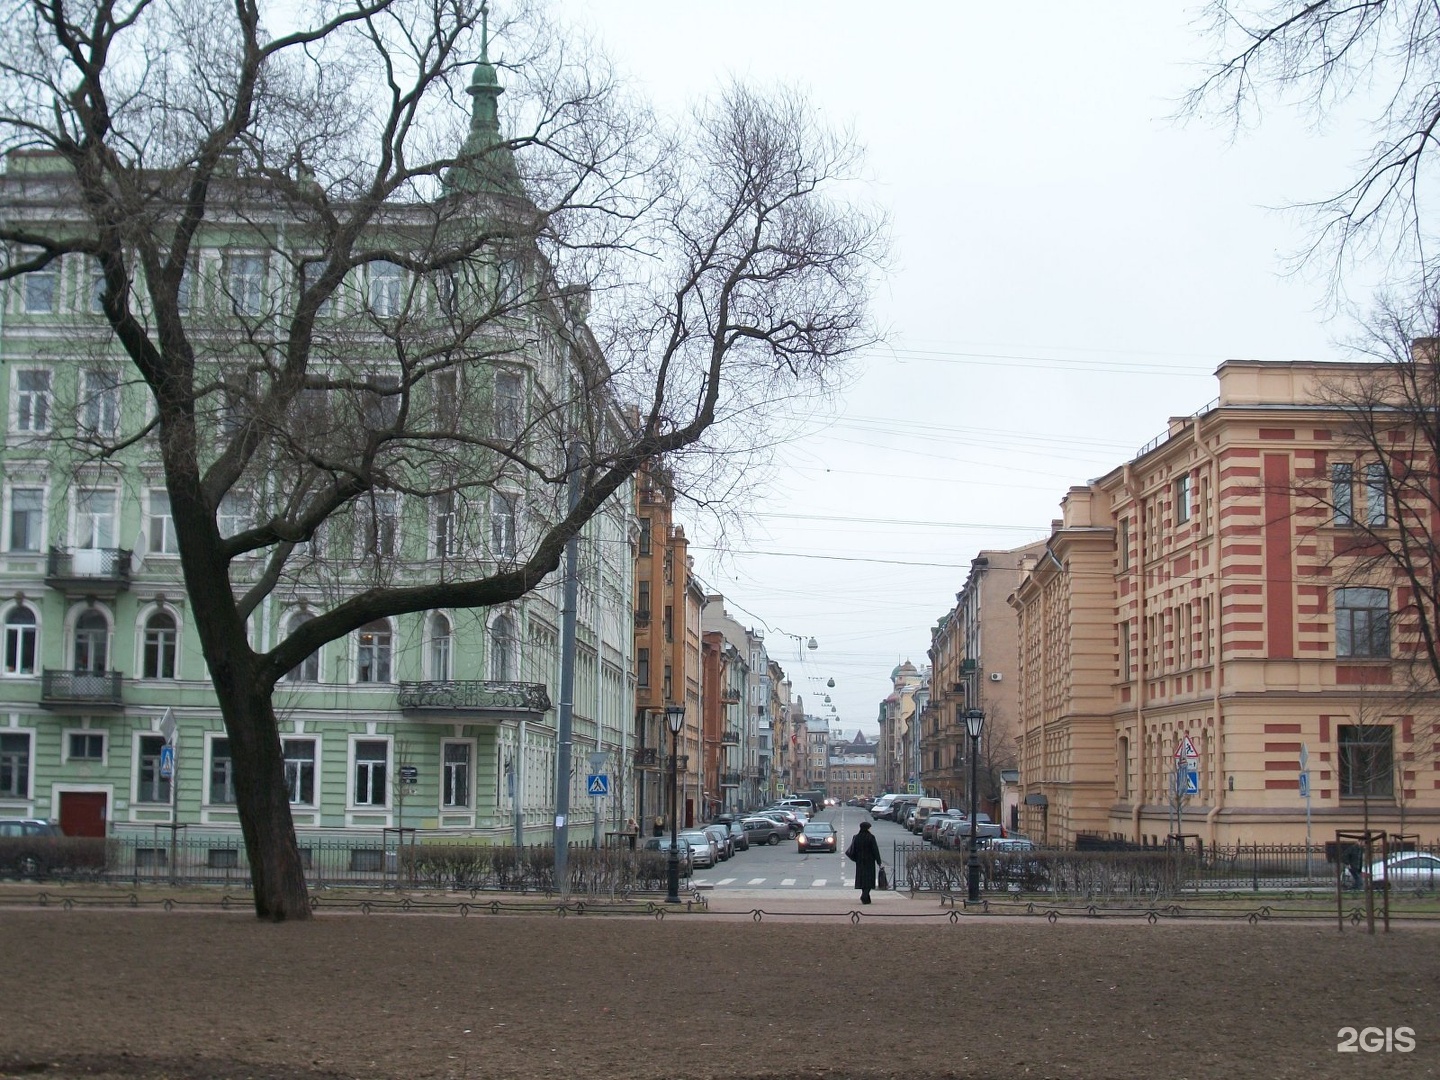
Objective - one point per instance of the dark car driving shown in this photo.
(816, 836)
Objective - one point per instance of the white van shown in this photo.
(924, 808)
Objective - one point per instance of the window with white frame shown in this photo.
(94, 518)
(245, 280)
(162, 643)
(509, 281)
(300, 770)
(509, 404)
(310, 273)
(86, 746)
(162, 539)
(455, 783)
(379, 520)
(31, 412)
(22, 635)
(384, 291)
(440, 648)
(502, 640)
(222, 773)
(1183, 506)
(380, 406)
(150, 786)
(1375, 494)
(185, 289)
(372, 652)
(15, 765)
(1342, 493)
(308, 670)
(96, 291)
(447, 512)
(99, 403)
(91, 644)
(372, 758)
(235, 514)
(445, 391)
(41, 289)
(27, 519)
(502, 524)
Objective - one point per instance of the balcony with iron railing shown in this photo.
(730, 736)
(80, 689)
(101, 571)
(729, 779)
(474, 697)
(647, 757)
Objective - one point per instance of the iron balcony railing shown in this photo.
(647, 757)
(89, 565)
(474, 695)
(730, 736)
(80, 687)
(729, 779)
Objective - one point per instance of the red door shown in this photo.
(82, 813)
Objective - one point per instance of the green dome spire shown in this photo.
(485, 163)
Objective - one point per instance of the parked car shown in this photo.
(662, 845)
(1407, 869)
(883, 808)
(935, 821)
(27, 847)
(738, 836)
(945, 830)
(793, 822)
(817, 836)
(724, 842)
(766, 830)
(705, 851)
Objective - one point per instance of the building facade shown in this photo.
(1217, 594)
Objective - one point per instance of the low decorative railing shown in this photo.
(99, 564)
(730, 737)
(478, 695)
(647, 757)
(80, 687)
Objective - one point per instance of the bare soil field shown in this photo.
(114, 995)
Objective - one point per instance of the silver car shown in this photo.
(703, 849)
(724, 842)
(662, 845)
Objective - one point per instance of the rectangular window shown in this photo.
(27, 518)
(509, 281)
(151, 787)
(1375, 512)
(385, 282)
(14, 766)
(372, 664)
(222, 773)
(509, 404)
(447, 524)
(502, 524)
(379, 524)
(371, 759)
(642, 667)
(445, 388)
(41, 287)
(644, 536)
(300, 770)
(236, 514)
(310, 273)
(246, 282)
(380, 407)
(32, 400)
(185, 289)
(1125, 675)
(1367, 762)
(669, 623)
(97, 288)
(1124, 543)
(162, 539)
(456, 781)
(99, 403)
(1362, 622)
(94, 518)
(1183, 507)
(642, 605)
(1342, 493)
(86, 746)
(161, 647)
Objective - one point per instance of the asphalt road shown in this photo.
(781, 867)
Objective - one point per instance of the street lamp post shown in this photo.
(675, 717)
(974, 723)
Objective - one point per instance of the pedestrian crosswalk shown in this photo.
(783, 883)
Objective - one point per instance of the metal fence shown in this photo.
(396, 860)
(1153, 871)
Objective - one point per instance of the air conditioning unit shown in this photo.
(995, 676)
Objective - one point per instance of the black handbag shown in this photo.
(883, 882)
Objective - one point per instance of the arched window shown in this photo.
(161, 645)
(372, 653)
(308, 670)
(21, 634)
(439, 648)
(502, 649)
(92, 640)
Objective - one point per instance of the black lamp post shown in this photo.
(675, 717)
(974, 724)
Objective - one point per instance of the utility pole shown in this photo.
(568, 618)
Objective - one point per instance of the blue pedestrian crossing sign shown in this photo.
(167, 762)
(1192, 782)
(598, 784)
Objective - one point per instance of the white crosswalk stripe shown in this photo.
(726, 881)
(787, 881)
(756, 881)
(819, 883)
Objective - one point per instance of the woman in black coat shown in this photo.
(864, 852)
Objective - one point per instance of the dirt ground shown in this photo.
(119, 994)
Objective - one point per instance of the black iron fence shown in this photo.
(1158, 871)
(333, 862)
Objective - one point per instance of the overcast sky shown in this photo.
(1070, 265)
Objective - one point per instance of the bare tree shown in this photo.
(343, 303)
(1380, 55)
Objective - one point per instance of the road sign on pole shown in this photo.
(167, 761)
(1305, 785)
(598, 784)
(1186, 749)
